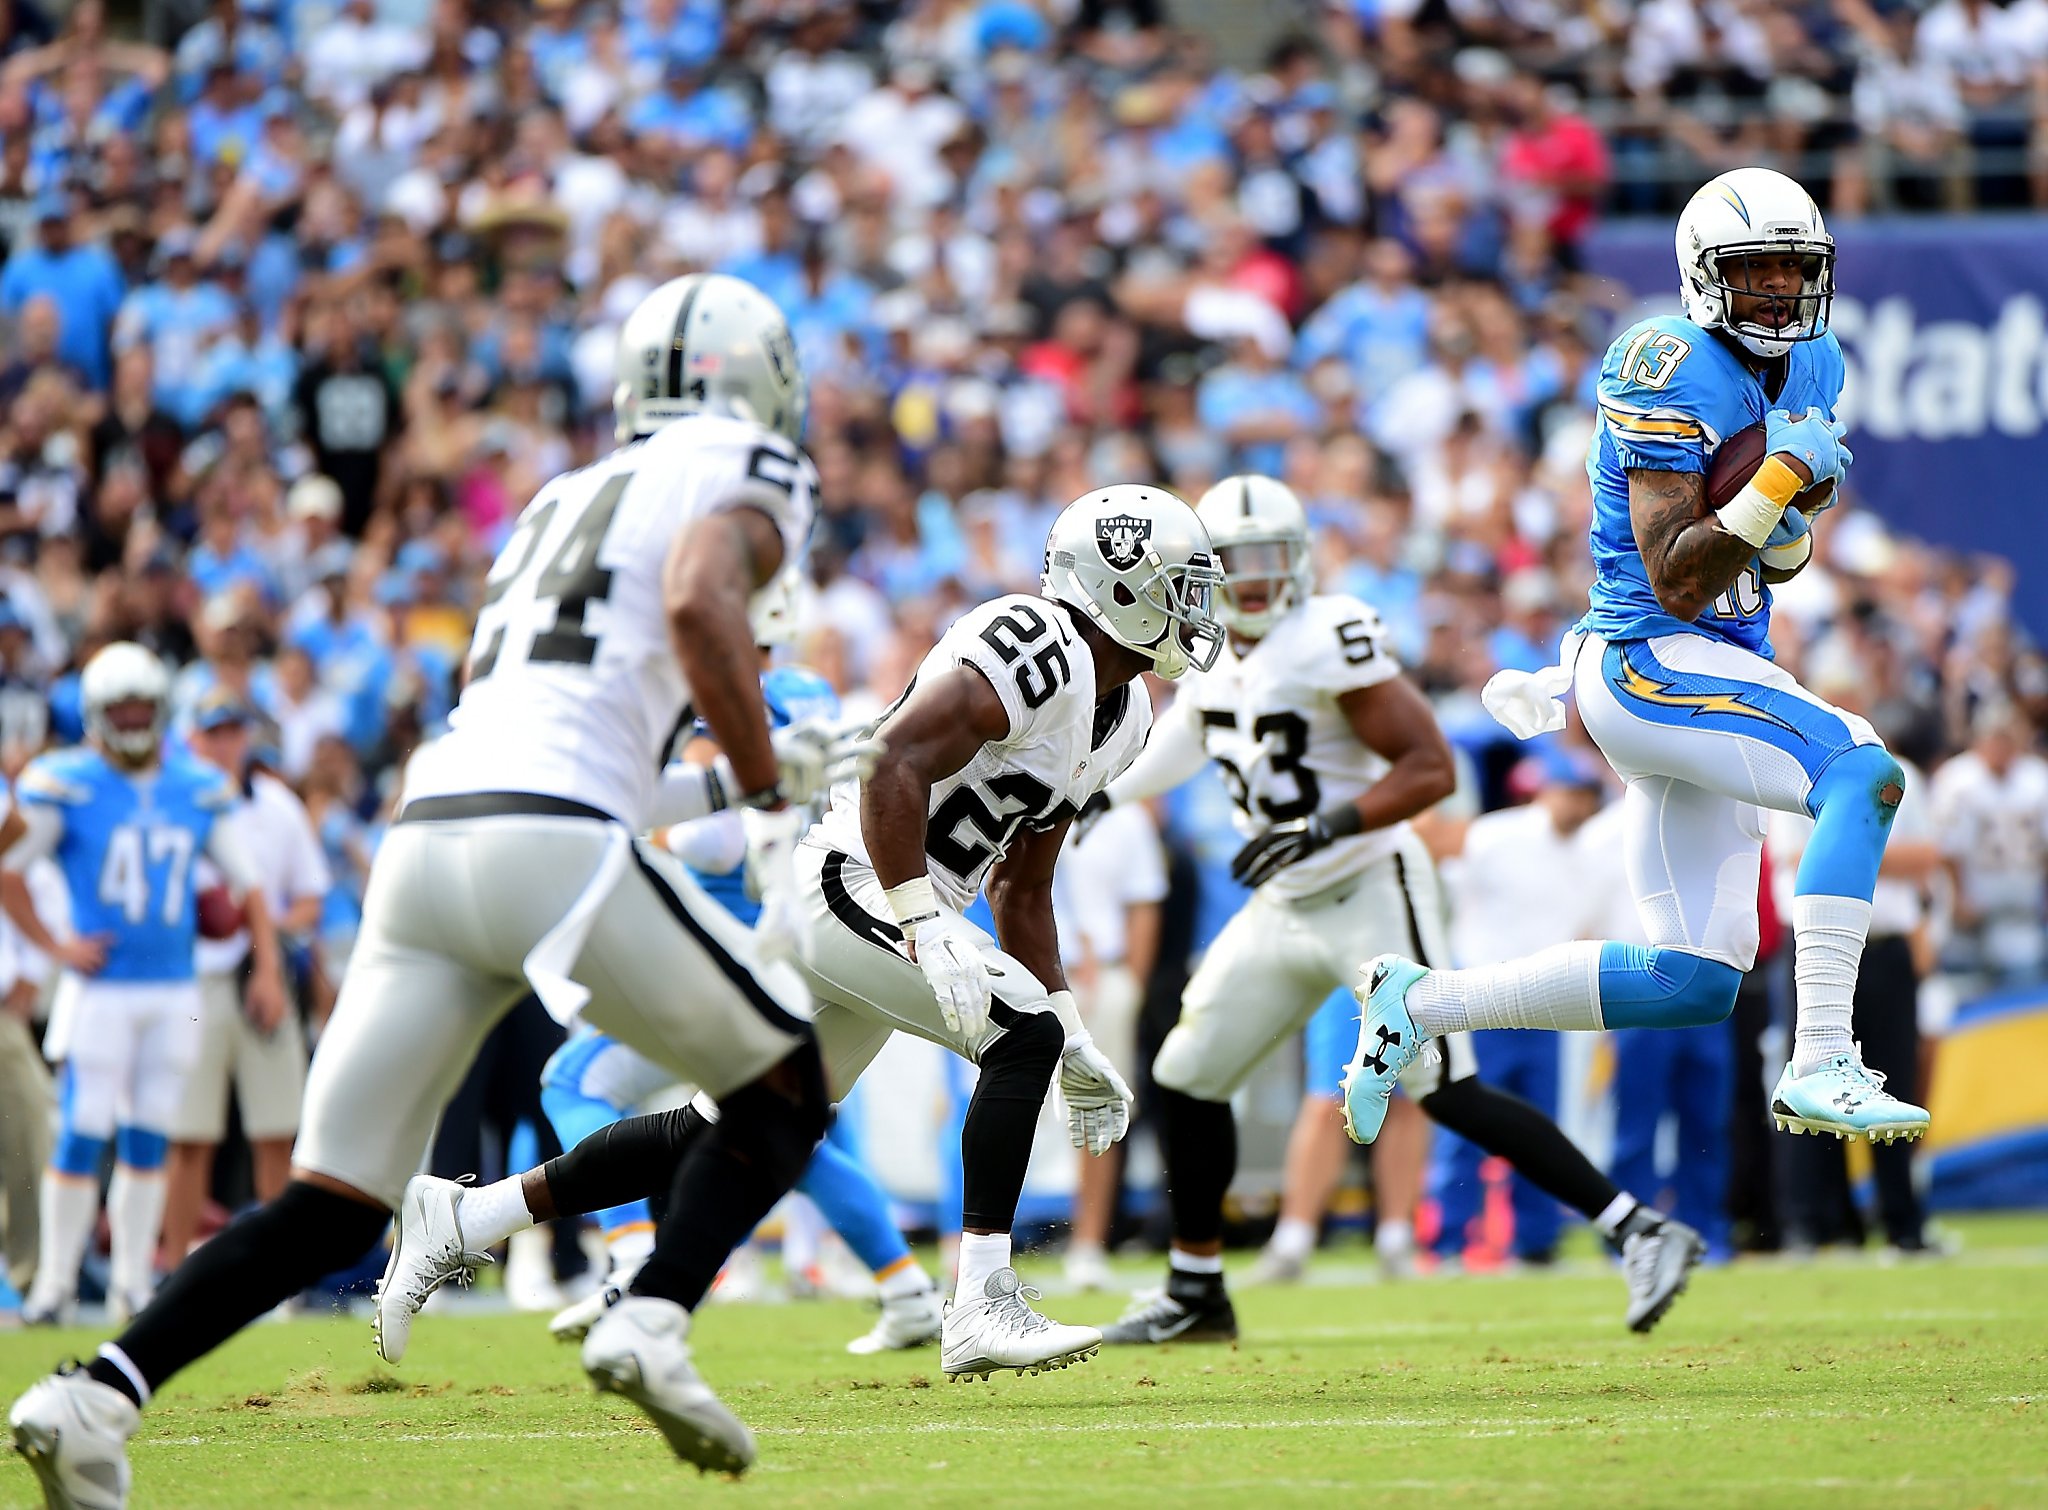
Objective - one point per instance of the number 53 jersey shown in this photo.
(1268, 716)
(574, 690)
(1063, 745)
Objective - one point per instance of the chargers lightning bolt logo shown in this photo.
(1638, 684)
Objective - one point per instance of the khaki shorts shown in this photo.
(268, 1070)
(453, 910)
(1276, 962)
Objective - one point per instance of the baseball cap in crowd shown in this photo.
(219, 708)
(52, 206)
(314, 496)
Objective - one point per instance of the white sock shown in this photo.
(905, 1277)
(1556, 988)
(1617, 1211)
(1393, 1237)
(1827, 942)
(981, 1254)
(491, 1213)
(67, 1207)
(135, 1220)
(1194, 1263)
(1294, 1238)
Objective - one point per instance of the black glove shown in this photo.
(1284, 844)
(1091, 810)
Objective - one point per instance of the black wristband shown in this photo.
(1342, 821)
(766, 797)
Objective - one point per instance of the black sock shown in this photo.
(1002, 1116)
(731, 1175)
(632, 1160)
(1510, 1127)
(254, 1263)
(1201, 1161)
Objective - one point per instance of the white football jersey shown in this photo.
(574, 690)
(1062, 747)
(1269, 719)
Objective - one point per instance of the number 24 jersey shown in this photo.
(574, 690)
(1269, 719)
(1063, 745)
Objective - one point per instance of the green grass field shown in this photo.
(1770, 1384)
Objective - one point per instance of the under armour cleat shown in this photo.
(1658, 1256)
(907, 1321)
(1388, 1042)
(1847, 1098)
(998, 1330)
(427, 1251)
(1184, 1311)
(73, 1432)
(641, 1350)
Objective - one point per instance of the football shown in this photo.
(220, 915)
(1736, 462)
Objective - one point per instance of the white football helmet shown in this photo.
(711, 344)
(1260, 531)
(1137, 561)
(119, 673)
(1747, 212)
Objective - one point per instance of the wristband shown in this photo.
(1068, 1011)
(1788, 557)
(1343, 820)
(766, 797)
(1754, 512)
(913, 901)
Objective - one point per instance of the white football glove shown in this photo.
(771, 870)
(948, 951)
(815, 754)
(1098, 1101)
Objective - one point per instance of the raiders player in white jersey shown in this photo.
(1328, 752)
(1015, 719)
(621, 599)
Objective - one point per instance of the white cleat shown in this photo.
(1658, 1255)
(907, 1321)
(640, 1349)
(1000, 1330)
(74, 1432)
(1847, 1098)
(574, 1323)
(427, 1251)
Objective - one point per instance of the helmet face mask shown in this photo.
(1261, 535)
(1137, 562)
(127, 697)
(1744, 240)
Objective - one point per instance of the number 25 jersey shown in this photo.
(1269, 719)
(1063, 745)
(573, 688)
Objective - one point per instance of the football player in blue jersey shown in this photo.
(594, 1081)
(1676, 683)
(126, 822)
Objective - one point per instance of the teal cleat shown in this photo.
(1388, 1042)
(1846, 1098)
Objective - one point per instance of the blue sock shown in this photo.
(855, 1206)
(1642, 986)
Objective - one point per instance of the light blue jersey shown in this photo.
(793, 693)
(1670, 393)
(128, 849)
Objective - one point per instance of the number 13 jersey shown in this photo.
(1063, 745)
(1269, 719)
(574, 690)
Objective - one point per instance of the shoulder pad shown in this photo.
(65, 778)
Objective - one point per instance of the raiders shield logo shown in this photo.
(1121, 538)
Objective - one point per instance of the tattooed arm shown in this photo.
(1690, 558)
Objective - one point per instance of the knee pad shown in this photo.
(1865, 774)
(139, 1148)
(1019, 1064)
(1644, 986)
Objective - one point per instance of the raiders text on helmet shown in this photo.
(1260, 531)
(712, 344)
(1754, 212)
(1137, 562)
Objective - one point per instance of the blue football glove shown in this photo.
(1812, 439)
(1791, 528)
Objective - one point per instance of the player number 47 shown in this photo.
(1652, 357)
